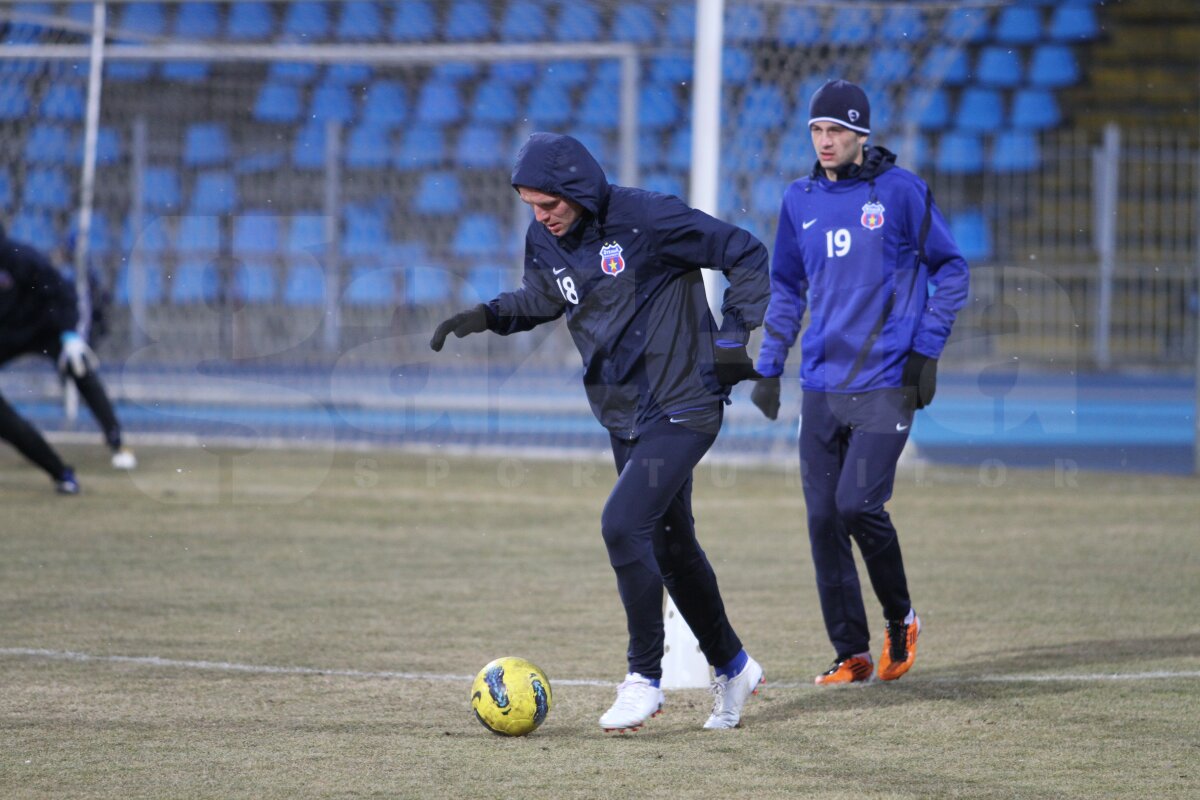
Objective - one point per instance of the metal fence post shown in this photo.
(1106, 164)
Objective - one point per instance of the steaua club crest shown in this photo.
(872, 216)
(610, 259)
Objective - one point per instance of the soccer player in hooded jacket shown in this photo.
(623, 266)
(38, 316)
(862, 248)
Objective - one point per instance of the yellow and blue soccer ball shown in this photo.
(511, 696)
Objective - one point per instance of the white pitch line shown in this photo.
(267, 669)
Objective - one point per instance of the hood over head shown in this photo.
(559, 164)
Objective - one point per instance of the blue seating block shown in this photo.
(205, 144)
(494, 101)
(468, 20)
(214, 193)
(50, 144)
(63, 101)
(1053, 66)
(256, 232)
(414, 21)
(371, 286)
(197, 20)
(359, 21)
(578, 21)
(548, 105)
(386, 103)
(306, 233)
(663, 182)
(145, 19)
(634, 22)
(427, 284)
(308, 149)
(979, 110)
(798, 26)
(33, 226)
(680, 26)
(46, 188)
(762, 107)
(277, 102)
(849, 26)
(152, 283)
(185, 71)
(998, 66)
(968, 25)
(524, 21)
(421, 146)
(1035, 109)
(199, 234)
(250, 21)
(439, 103)
(1074, 22)
(1015, 151)
(1018, 25)
(194, 282)
(902, 23)
(366, 230)
(478, 236)
(332, 101)
(306, 20)
(369, 146)
(485, 281)
(481, 147)
(14, 101)
(971, 233)
(959, 153)
(744, 23)
(160, 189)
(946, 65)
(254, 282)
(304, 286)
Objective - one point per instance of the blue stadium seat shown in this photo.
(46, 188)
(649, 150)
(199, 233)
(413, 21)
(678, 154)
(1015, 151)
(794, 154)
(966, 25)
(205, 144)
(131, 71)
(438, 192)
(902, 23)
(1035, 109)
(254, 282)
(195, 20)
(1073, 22)
(214, 193)
(494, 101)
(185, 71)
(160, 189)
(369, 146)
(670, 68)
(152, 282)
(257, 162)
(478, 236)
(299, 72)
(1018, 25)
(331, 101)
(359, 21)
(304, 286)
(370, 285)
(578, 21)
(518, 73)
(524, 21)
(100, 238)
(971, 233)
(762, 107)
(6, 188)
(195, 281)
(1053, 66)
(145, 19)
(439, 103)
(482, 147)
(766, 194)
(366, 231)
(548, 105)
(663, 182)
(250, 21)
(14, 101)
(256, 232)
(50, 144)
(485, 281)
(277, 102)
(959, 153)
(888, 65)
(385, 103)
(63, 101)
(308, 149)
(745, 152)
(998, 66)
(149, 237)
(108, 145)
(599, 109)
(930, 109)
(945, 65)
(596, 143)
(468, 20)
(567, 73)
(427, 284)
(744, 23)
(348, 74)
(849, 26)
(737, 65)
(658, 107)
(306, 20)
(798, 26)
(979, 110)
(634, 22)
(680, 26)
(27, 32)
(35, 227)
(306, 233)
(421, 146)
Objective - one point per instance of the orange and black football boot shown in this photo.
(848, 670)
(899, 649)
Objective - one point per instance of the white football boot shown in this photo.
(637, 701)
(123, 458)
(730, 694)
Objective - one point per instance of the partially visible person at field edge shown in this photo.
(862, 247)
(623, 266)
(38, 316)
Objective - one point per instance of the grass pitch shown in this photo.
(306, 624)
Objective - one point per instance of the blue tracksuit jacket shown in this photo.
(627, 277)
(872, 260)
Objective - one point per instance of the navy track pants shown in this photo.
(849, 447)
(651, 539)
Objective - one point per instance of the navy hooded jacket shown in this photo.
(35, 298)
(627, 277)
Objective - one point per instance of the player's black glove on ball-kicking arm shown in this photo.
(920, 377)
(464, 323)
(732, 364)
(766, 397)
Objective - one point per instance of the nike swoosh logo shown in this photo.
(809, 224)
(677, 420)
(901, 428)
(560, 269)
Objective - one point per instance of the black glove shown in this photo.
(766, 397)
(920, 376)
(464, 323)
(733, 364)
